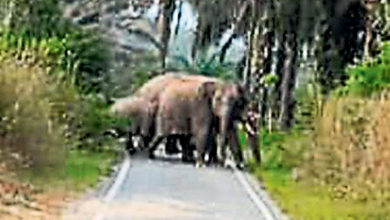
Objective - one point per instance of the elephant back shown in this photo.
(151, 89)
(180, 106)
(129, 107)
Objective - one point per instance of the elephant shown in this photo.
(140, 111)
(150, 92)
(141, 108)
(201, 106)
(185, 109)
(229, 104)
(222, 101)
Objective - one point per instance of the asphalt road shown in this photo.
(170, 190)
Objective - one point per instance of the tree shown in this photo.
(166, 15)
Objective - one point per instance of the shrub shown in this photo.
(370, 77)
(283, 151)
(30, 115)
(352, 150)
(79, 57)
(91, 120)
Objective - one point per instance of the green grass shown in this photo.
(305, 200)
(79, 171)
(83, 169)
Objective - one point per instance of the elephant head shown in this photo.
(229, 103)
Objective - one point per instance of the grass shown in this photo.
(299, 196)
(308, 201)
(80, 170)
(84, 168)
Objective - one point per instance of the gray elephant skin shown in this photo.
(187, 105)
(200, 107)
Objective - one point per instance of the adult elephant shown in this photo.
(226, 101)
(141, 108)
(196, 104)
(185, 108)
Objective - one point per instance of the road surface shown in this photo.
(170, 190)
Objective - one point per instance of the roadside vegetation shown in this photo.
(317, 75)
(336, 168)
(53, 106)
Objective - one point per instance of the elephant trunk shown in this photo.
(224, 123)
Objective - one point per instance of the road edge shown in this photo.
(259, 196)
(118, 179)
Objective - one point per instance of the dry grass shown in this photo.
(30, 132)
(352, 149)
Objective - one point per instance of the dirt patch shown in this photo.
(22, 201)
(134, 210)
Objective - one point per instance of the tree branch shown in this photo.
(147, 36)
(240, 20)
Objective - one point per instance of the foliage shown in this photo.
(38, 18)
(31, 112)
(91, 120)
(351, 149)
(370, 77)
(82, 169)
(79, 57)
(283, 151)
(34, 31)
(41, 119)
(270, 79)
(305, 200)
(75, 61)
(207, 66)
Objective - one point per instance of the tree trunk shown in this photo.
(168, 7)
(287, 86)
(368, 39)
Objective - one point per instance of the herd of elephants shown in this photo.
(199, 112)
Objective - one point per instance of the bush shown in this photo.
(283, 151)
(30, 116)
(370, 77)
(79, 57)
(352, 151)
(92, 119)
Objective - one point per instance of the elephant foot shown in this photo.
(241, 166)
(229, 164)
(220, 162)
(212, 160)
(200, 164)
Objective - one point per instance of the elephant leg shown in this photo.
(235, 147)
(212, 149)
(201, 145)
(187, 149)
(171, 145)
(154, 146)
(129, 144)
(221, 146)
(146, 141)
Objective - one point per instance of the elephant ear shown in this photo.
(207, 89)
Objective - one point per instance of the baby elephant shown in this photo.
(140, 112)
